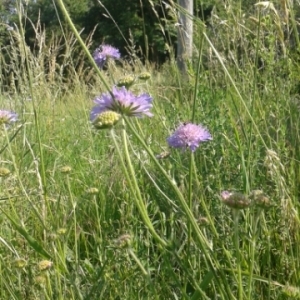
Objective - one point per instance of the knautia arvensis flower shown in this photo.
(189, 135)
(104, 52)
(7, 117)
(123, 102)
(235, 200)
(106, 119)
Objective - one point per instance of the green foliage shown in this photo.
(68, 198)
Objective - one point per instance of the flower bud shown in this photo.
(107, 119)
(126, 81)
(144, 76)
(20, 263)
(4, 172)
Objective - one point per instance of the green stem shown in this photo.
(203, 243)
(131, 179)
(190, 196)
(139, 263)
(252, 255)
(238, 255)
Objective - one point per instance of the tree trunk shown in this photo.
(185, 34)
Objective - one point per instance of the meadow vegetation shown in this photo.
(116, 213)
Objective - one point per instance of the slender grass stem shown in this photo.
(82, 43)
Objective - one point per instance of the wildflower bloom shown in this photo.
(102, 53)
(189, 135)
(7, 117)
(123, 102)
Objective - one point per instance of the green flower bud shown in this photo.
(4, 172)
(144, 76)
(126, 81)
(107, 119)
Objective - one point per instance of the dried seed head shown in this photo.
(291, 291)
(65, 169)
(45, 265)
(235, 200)
(92, 191)
(259, 199)
(4, 172)
(123, 241)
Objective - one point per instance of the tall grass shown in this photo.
(102, 214)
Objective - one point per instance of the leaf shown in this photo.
(30, 239)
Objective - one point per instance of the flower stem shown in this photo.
(131, 179)
(238, 254)
(202, 241)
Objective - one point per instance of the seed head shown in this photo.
(45, 265)
(259, 199)
(235, 200)
(92, 191)
(65, 169)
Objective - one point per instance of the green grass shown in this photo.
(103, 245)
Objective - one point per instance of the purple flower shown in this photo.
(123, 102)
(7, 117)
(189, 135)
(103, 52)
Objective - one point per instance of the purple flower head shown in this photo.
(189, 135)
(103, 52)
(123, 102)
(7, 117)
